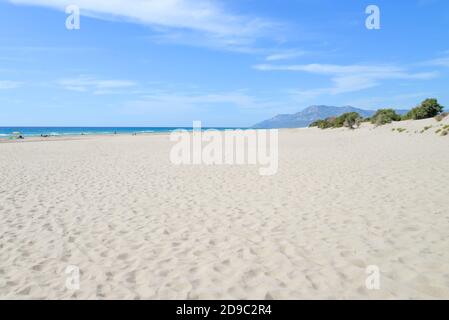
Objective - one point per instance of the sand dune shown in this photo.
(139, 227)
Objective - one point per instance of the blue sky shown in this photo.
(226, 63)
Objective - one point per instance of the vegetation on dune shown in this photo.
(322, 124)
(429, 108)
(426, 128)
(444, 130)
(349, 120)
(384, 116)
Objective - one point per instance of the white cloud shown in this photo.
(8, 84)
(440, 62)
(95, 86)
(329, 68)
(291, 54)
(349, 78)
(191, 18)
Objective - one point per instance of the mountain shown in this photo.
(307, 116)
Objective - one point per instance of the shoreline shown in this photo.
(62, 132)
(75, 137)
(414, 126)
(69, 137)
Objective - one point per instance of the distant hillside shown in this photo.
(309, 115)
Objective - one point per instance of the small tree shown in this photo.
(427, 109)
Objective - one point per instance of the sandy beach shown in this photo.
(139, 227)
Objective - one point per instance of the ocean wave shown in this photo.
(146, 131)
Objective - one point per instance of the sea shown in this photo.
(6, 132)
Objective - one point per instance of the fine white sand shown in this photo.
(139, 227)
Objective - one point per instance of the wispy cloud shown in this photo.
(44, 49)
(170, 18)
(95, 86)
(440, 62)
(290, 54)
(349, 78)
(8, 84)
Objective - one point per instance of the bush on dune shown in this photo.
(348, 120)
(384, 116)
(429, 108)
(322, 124)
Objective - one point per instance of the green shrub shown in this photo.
(427, 109)
(322, 124)
(384, 116)
(348, 120)
(445, 130)
(315, 123)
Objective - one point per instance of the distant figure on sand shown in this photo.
(17, 135)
